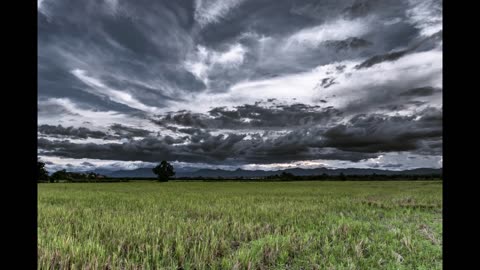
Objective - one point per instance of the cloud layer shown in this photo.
(240, 83)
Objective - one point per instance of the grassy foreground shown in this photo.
(234, 225)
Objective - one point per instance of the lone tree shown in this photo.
(42, 174)
(164, 170)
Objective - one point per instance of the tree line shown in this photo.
(285, 176)
(64, 175)
(165, 171)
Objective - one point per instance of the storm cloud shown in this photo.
(253, 116)
(240, 83)
(80, 132)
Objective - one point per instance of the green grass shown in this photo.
(234, 225)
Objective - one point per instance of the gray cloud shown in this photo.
(177, 80)
(128, 132)
(347, 44)
(424, 44)
(72, 132)
(382, 58)
(364, 136)
(253, 117)
(377, 133)
(214, 149)
(420, 91)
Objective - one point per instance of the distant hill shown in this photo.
(190, 172)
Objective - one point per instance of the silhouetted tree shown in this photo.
(92, 175)
(287, 176)
(60, 175)
(342, 177)
(164, 170)
(42, 174)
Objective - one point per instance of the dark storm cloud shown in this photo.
(89, 35)
(128, 132)
(117, 131)
(364, 136)
(360, 138)
(283, 17)
(140, 69)
(425, 44)
(46, 110)
(385, 99)
(382, 58)
(253, 116)
(82, 133)
(211, 149)
(395, 107)
(258, 16)
(347, 44)
(384, 8)
(420, 91)
(205, 147)
(254, 20)
(378, 133)
(149, 41)
(123, 35)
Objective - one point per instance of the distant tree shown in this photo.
(287, 176)
(323, 176)
(42, 174)
(164, 170)
(342, 177)
(60, 175)
(92, 175)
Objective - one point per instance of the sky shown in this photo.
(251, 84)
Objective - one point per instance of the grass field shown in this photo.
(234, 225)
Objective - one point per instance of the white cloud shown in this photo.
(305, 164)
(78, 115)
(335, 30)
(42, 8)
(401, 161)
(73, 115)
(121, 97)
(83, 141)
(234, 55)
(199, 70)
(426, 15)
(205, 60)
(386, 161)
(198, 65)
(295, 86)
(413, 70)
(112, 5)
(76, 164)
(392, 21)
(212, 11)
